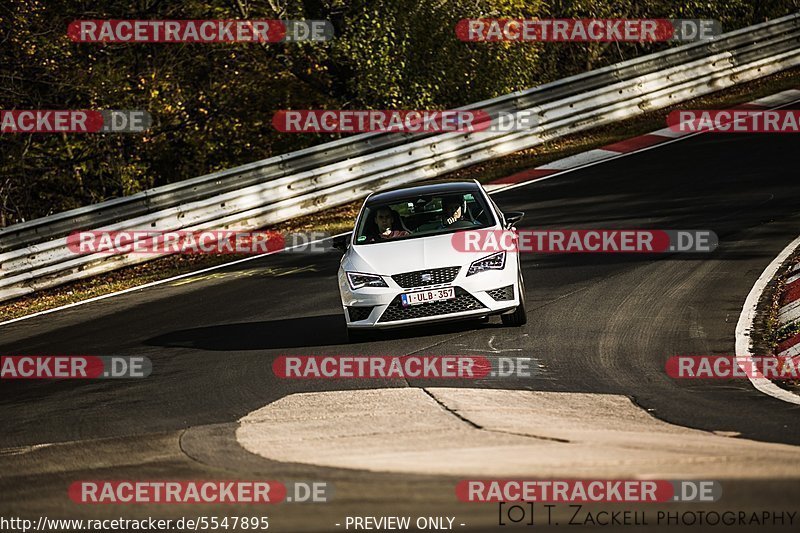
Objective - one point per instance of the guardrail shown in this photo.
(35, 256)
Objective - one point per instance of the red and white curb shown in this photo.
(627, 146)
(747, 318)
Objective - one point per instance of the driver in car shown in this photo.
(452, 211)
(452, 216)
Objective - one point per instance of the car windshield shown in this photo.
(422, 216)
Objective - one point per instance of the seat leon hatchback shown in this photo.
(400, 266)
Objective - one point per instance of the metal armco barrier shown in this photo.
(34, 254)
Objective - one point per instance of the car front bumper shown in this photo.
(476, 296)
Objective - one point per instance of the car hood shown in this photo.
(394, 257)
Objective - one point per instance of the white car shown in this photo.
(400, 266)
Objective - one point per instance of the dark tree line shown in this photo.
(213, 103)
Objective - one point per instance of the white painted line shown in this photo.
(217, 267)
(578, 159)
(745, 325)
(667, 132)
(778, 99)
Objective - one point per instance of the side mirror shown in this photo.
(342, 242)
(512, 217)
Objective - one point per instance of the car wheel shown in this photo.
(518, 317)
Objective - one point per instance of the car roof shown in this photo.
(430, 188)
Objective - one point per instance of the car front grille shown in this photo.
(359, 313)
(501, 294)
(425, 278)
(463, 301)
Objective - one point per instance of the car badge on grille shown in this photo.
(426, 277)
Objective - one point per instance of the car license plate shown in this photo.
(423, 297)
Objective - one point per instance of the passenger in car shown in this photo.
(388, 224)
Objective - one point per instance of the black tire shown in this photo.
(518, 317)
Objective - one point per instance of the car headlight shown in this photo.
(358, 280)
(496, 261)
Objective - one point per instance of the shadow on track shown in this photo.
(301, 332)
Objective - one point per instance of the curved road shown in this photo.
(598, 324)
